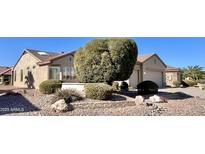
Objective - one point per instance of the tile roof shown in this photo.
(142, 58)
(46, 57)
(171, 68)
(43, 57)
(5, 70)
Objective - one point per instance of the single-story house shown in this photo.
(173, 74)
(34, 67)
(148, 67)
(5, 75)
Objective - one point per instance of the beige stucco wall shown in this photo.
(64, 61)
(39, 73)
(171, 77)
(154, 70)
(133, 80)
(28, 63)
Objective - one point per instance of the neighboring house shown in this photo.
(5, 75)
(173, 74)
(148, 67)
(34, 67)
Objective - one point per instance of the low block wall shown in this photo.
(77, 86)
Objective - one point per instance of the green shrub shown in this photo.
(50, 86)
(115, 86)
(106, 60)
(124, 86)
(147, 87)
(190, 83)
(100, 91)
(69, 95)
(176, 83)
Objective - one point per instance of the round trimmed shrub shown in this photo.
(50, 86)
(147, 87)
(106, 60)
(99, 91)
(124, 86)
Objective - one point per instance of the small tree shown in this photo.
(194, 72)
(106, 60)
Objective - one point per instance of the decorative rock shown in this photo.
(202, 87)
(157, 99)
(149, 104)
(60, 106)
(139, 99)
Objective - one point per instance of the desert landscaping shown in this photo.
(106, 77)
(30, 102)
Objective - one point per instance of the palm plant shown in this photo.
(194, 72)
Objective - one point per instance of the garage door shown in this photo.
(156, 77)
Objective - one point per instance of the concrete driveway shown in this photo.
(192, 91)
(7, 88)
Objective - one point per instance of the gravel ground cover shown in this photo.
(181, 102)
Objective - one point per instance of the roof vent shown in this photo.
(42, 53)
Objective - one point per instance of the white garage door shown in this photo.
(156, 77)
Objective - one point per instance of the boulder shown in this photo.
(157, 99)
(60, 106)
(139, 99)
(202, 87)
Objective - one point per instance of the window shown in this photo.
(54, 73)
(155, 61)
(21, 75)
(68, 73)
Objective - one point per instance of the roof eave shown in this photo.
(44, 63)
(6, 71)
(55, 58)
(62, 55)
(174, 70)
